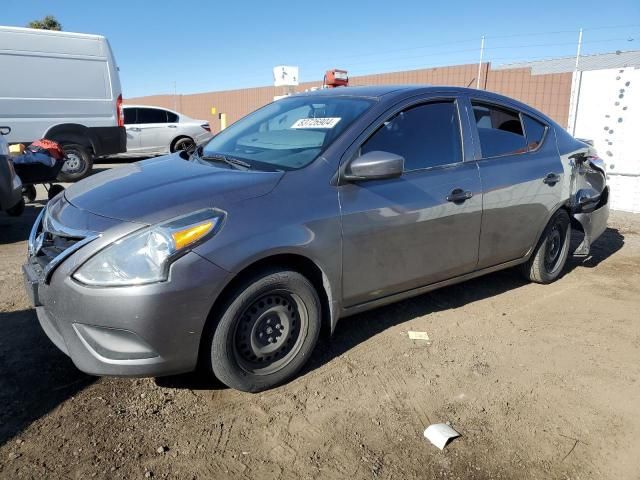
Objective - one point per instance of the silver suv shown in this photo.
(312, 208)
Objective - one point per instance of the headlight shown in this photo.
(145, 256)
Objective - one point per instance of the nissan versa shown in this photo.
(312, 208)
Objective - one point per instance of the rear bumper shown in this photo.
(202, 137)
(108, 140)
(593, 224)
(147, 330)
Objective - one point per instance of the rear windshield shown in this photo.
(289, 133)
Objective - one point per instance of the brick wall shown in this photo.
(548, 93)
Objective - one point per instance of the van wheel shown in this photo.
(78, 163)
(550, 256)
(267, 331)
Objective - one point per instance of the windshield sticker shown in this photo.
(324, 122)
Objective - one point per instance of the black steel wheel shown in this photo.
(266, 331)
(550, 256)
(269, 332)
(553, 247)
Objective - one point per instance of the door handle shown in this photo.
(458, 195)
(172, 126)
(135, 129)
(551, 179)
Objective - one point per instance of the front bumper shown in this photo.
(146, 330)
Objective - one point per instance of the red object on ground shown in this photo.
(53, 148)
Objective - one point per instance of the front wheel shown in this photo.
(267, 331)
(78, 163)
(550, 256)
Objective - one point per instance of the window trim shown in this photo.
(524, 129)
(407, 106)
(520, 113)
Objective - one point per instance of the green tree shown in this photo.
(47, 23)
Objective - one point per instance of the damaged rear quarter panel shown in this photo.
(585, 187)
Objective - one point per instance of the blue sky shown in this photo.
(205, 46)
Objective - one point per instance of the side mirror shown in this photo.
(375, 165)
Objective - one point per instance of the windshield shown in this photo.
(287, 134)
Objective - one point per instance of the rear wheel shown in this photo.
(550, 256)
(267, 331)
(187, 144)
(78, 163)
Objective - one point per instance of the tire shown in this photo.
(550, 256)
(55, 190)
(29, 193)
(267, 331)
(17, 209)
(183, 143)
(78, 164)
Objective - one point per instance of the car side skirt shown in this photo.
(379, 302)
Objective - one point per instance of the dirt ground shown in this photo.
(541, 381)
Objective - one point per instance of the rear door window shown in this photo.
(152, 115)
(500, 130)
(535, 132)
(172, 117)
(426, 136)
(130, 116)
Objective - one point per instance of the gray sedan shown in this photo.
(313, 208)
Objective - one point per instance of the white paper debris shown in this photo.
(319, 122)
(418, 335)
(439, 434)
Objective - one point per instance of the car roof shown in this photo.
(377, 91)
(128, 105)
(391, 91)
(373, 91)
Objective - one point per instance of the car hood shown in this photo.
(156, 190)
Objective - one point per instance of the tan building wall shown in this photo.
(548, 93)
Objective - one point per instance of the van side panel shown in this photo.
(67, 78)
(54, 79)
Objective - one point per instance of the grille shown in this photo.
(52, 246)
(51, 242)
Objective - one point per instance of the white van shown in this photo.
(62, 86)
